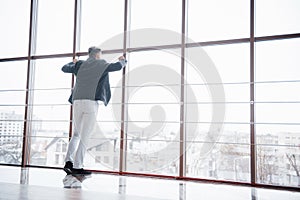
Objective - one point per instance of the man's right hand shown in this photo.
(75, 60)
(121, 58)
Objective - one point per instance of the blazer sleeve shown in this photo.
(116, 66)
(72, 67)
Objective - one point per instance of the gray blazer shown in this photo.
(102, 92)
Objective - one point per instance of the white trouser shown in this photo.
(84, 119)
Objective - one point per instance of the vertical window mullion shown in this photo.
(252, 95)
(122, 159)
(182, 158)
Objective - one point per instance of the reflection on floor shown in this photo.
(48, 184)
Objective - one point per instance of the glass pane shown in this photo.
(277, 152)
(237, 113)
(12, 98)
(217, 20)
(108, 113)
(11, 124)
(233, 113)
(278, 165)
(202, 93)
(52, 112)
(276, 130)
(155, 94)
(107, 130)
(234, 133)
(277, 144)
(223, 161)
(278, 60)
(51, 88)
(96, 29)
(48, 141)
(218, 154)
(229, 62)
(153, 112)
(49, 128)
(12, 113)
(55, 27)
(14, 22)
(232, 61)
(150, 156)
(152, 14)
(207, 68)
(275, 17)
(48, 74)
(103, 154)
(49, 151)
(13, 75)
(41, 97)
(237, 92)
(196, 113)
(278, 113)
(51, 97)
(151, 68)
(284, 91)
(155, 14)
(11, 139)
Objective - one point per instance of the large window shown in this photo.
(220, 102)
(148, 15)
(98, 16)
(14, 22)
(12, 102)
(227, 156)
(277, 111)
(55, 32)
(218, 20)
(51, 112)
(277, 17)
(153, 112)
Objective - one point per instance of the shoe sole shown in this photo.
(82, 175)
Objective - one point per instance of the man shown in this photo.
(92, 84)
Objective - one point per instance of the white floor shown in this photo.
(47, 184)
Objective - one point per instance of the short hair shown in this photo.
(93, 51)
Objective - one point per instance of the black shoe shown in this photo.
(68, 168)
(82, 172)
